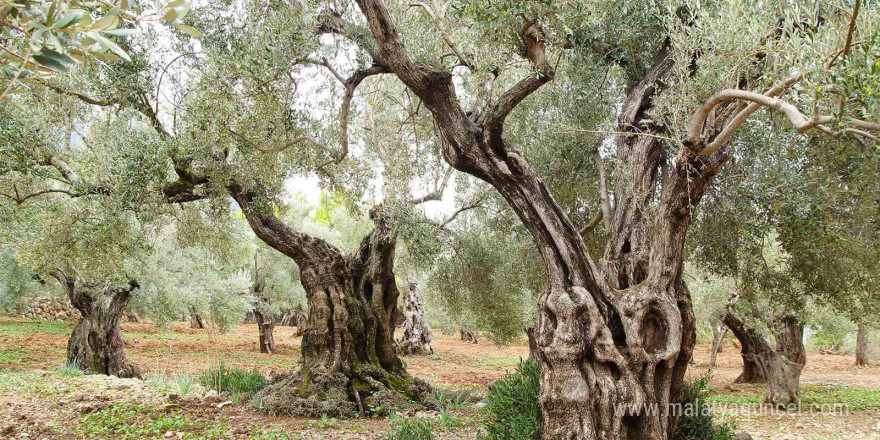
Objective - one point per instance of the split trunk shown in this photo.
(96, 345)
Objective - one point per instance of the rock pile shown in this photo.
(48, 309)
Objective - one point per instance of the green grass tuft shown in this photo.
(410, 429)
(232, 380)
(69, 369)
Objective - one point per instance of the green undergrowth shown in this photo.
(8, 357)
(23, 329)
(126, 421)
(697, 421)
(512, 408)
(855, 399)
(232, 380)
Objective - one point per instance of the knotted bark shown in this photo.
(96, 345)
(417, 334)
(750, 343)
(349, 361)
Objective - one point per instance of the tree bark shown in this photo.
(417, 334)
(349, 361)
(195, 320)
(612, 340)
(719, 331)
(302, 321)
(266, 328)
(96, 344)
(533, 344)
(779, 368)
(286, 318)
(862, 346)
(264, 320)
(750, 344)
(467, 335)
(784, 372)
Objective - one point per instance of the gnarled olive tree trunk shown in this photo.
(417, 334)
(614, 339)
(862, 346)
(781, 367)
(750, 343)
(96, 344)
(264, 320)
(349, 362)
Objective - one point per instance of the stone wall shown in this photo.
(49, 309)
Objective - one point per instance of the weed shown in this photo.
(69, 369)
(448, 420)
(224, 379)
(410, 429)
(184, 384)
(10, 356)
(271, 434)
(326, 422)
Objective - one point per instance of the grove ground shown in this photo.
(39, 401)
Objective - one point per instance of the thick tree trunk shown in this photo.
(302, 321)
(349, 361)
(719, 330)
(266, 328)
(750, 344)
(614, 340)
(784, 374)
(96, 345)
(862, 346)
(780, 368)
(417, 334)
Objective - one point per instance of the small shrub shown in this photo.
(233, 380)
(69, 369)
(410, 429)
(512, 408)
(697, 423)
